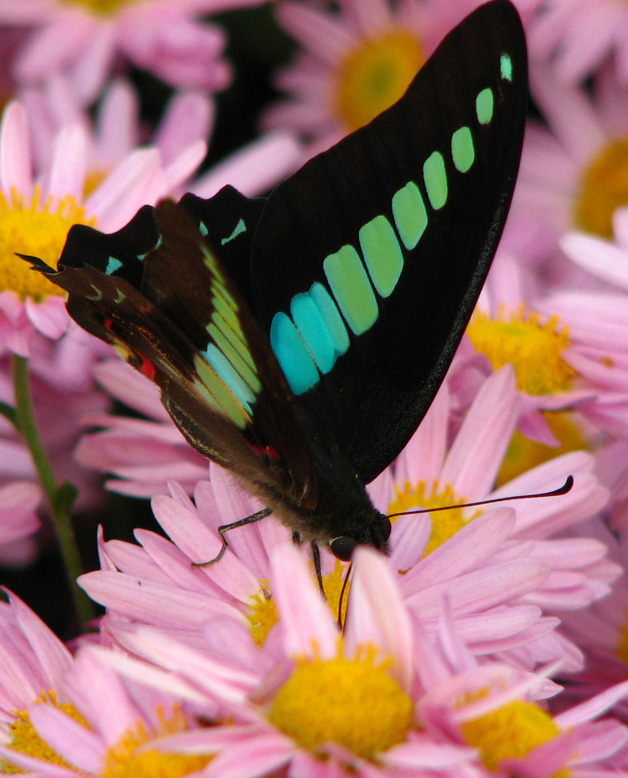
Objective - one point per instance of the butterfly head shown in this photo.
(375, 533)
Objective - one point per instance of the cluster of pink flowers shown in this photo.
(493, 640)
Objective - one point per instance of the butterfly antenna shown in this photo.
(566, 487)
(341, 599)
(316, 558)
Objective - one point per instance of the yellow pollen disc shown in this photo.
(123, 761)
(263, 616)
(374, 76)
(24, 738)
(101, 7)
(511, 732)
(353, 702)
(523, 454)
(333, 584)
(445, 524)
(533, 347)
(604, 188)
(39, 230)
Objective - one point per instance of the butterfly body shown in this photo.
(298, 340)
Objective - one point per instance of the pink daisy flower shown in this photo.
(598, 327)
(377, 700)
(181, 135)
(83, 39)
(91, 722)
(34, 662)
(572, 175)
(36, 213)
(431, 473)
(550, 346)
(579, 35)
(335, 84)
(507, 618)
(235, 589)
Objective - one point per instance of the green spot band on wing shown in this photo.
(435, 178)
(237, 354)
(113, 264)
(225, 370)
(218, 394)
(331, 315)
(237, 230)
(382, 254)
(505, 67)
(311, 325)
(229, 375)
(410, 214)
(293, 357)
(462, 151)
(484, 104)
(352, 289)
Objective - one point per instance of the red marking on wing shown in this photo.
(146, 367)
(268, 451)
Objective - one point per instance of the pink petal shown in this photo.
(15, 160)
(306, 623)
(376, 613)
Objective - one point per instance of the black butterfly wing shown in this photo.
(368, 261)
(168, 305)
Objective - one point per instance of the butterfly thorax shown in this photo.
(343, 508)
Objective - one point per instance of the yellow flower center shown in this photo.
(123, 760)
(604, 188)
(533, 348)
(445, 524)
(23, 737)
(511, 732)
(39, 230)
(101, 7)
(374, 76)
(263, 614)
(353, 702)
(523, 454)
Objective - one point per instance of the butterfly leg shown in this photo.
(316, 559)
(227, 528)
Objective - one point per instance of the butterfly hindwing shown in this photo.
(182, 322)
(368, 261)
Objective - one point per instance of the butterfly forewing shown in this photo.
(373, 254)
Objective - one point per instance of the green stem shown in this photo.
(59, 497)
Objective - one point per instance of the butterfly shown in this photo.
(299, 339)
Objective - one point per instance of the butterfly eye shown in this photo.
(342, 548)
